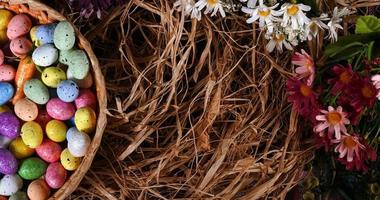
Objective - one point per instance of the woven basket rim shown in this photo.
(46, 14)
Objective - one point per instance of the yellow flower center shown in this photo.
(212, 2)
(345, 77)
(367, 91)
(292, 10)
(305, 90)
(279, 37)
(349, 142)
(264, 12)
(334, 117)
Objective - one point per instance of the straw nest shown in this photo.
(197, 109)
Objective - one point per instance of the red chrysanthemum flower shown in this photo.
(343, 80)
(303, 98)
(363, 93)
(354, 113)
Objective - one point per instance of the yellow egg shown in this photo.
(3, 36)
(85, 119)
(68, 161)
(33, 36)
(5, 17)
(4, 108)
(52, 76)
(31, 134)
(19, 149)
(56, 130)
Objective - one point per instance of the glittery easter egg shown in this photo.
(52, 76)
(6, 92)
(31, 134)
(68, 161)
(45, 34)
(8, 163)
(59, 109)
(5, 18)
(36, 91)
(64, 36)
(26, 109)
(49, 151)
(9, 125)
(19, 196)
(18, 26)
(32, 168)
(64, 56)
(55, 175)
(7, 72)
(79, 65)
(38, 190)
(56, 130)
(45, 55)
(43, 118)
(78, 142)
(19, 149)
(67, 91)
(21, 46)
(10, 184)
(85, 119)
(86, 98)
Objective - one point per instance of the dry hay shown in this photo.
(197, 110)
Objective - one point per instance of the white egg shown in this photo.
(78, 142)
(10, 184)
(45, 55)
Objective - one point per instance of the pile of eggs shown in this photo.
(47, 107)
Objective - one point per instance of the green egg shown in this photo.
(64, 56)
(79, 64)
(36, 91)
(19, 196)
(52, 76)
(32, 168)
(64, 36)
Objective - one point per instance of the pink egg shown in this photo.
(86, 98)
(21, 46)
(49, 151)
(43, 118)
(59, 109)
(18, 26)
(55, 175)
(2, 57)
(7, 72)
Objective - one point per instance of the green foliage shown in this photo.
(367, 24)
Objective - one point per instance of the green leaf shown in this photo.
(367, 24)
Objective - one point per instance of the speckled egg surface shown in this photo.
(48, 106)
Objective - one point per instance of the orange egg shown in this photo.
(38, 190)
(26, 110)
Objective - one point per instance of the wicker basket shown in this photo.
(44, 15)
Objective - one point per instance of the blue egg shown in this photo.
(67, 90)
(6, 92)
(45, 33)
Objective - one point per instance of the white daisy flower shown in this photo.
(266, 15)
(294, 15)
(278, 39)
(211, 6)
(250, 3)
(188, 6)
(334, 23)
(315, 25)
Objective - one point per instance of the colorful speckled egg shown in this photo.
(9, 125)
(78, 142)
(45, 34)
(64, 36)
(19, 196)
(38, 190)
(43, 118)
(2, 57)
(19, 149)
(85, 119)
(64, 56)
(32, 168)
(10, 184)
(68, 161)
(21, 46)
(55, 175)
(45, 55)
(8, 163)
(56, 130)
(31, 134)
(67, 90)
(52, 76)
(18, 26)
(5, 141)
(5, 18)
(86, 98)
(79, 65)
(85, 83)
(26, 110)
(59, 109)
(49, 151)
(36, 91)
(6, 92)
(7, 72)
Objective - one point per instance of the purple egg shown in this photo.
(9, 125)
(8, 163)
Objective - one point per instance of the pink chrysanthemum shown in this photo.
(376, 82)
(303, 98)
(306, 68)
(334, 120)
(344, 78)
(363, 93)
